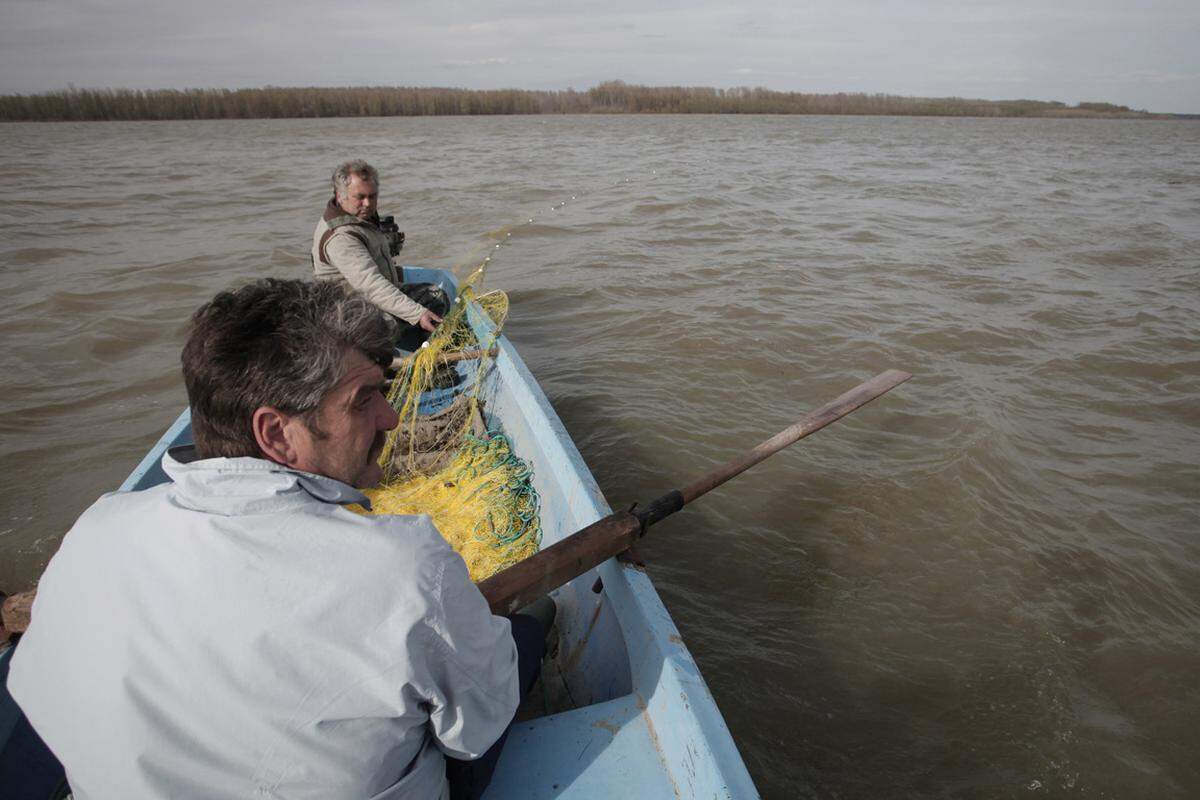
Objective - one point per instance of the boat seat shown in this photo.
(553, 756)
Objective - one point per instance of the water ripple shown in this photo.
(983, 583)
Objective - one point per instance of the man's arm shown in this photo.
(349, 255)
(474, 668)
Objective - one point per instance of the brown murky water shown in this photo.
(986, 584)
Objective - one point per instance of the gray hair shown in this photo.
(276, 343)
(346, 171)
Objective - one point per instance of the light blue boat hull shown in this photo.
(642, 721)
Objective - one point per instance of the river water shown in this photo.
(985, 584)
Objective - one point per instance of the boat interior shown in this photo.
(621, 705)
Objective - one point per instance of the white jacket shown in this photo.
(238, 634)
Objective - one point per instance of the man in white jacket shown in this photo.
(349, 246)
(236, 632)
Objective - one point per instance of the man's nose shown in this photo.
(387, 417)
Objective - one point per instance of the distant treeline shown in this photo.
(613, 97)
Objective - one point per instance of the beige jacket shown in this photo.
(355, 252)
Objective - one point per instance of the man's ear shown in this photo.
(271, 431)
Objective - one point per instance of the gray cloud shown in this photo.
(1142, 55)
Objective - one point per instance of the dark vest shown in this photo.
(367, 232)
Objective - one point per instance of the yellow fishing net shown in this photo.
(443, 459)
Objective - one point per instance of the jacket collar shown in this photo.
(237, 486)
(335, 217)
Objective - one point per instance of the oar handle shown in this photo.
(516, 587)
(519, 585)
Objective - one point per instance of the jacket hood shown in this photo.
(238, 486)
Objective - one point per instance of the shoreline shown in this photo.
(613, 97)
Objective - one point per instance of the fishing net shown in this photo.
(443, 459)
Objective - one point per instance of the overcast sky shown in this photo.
(1141, 54)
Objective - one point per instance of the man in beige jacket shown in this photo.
(350, 246)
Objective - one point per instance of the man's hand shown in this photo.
(15, 613)
(429, 320)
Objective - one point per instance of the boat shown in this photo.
(633, 716)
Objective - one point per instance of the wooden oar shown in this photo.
(521, 584)
(448, 358)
